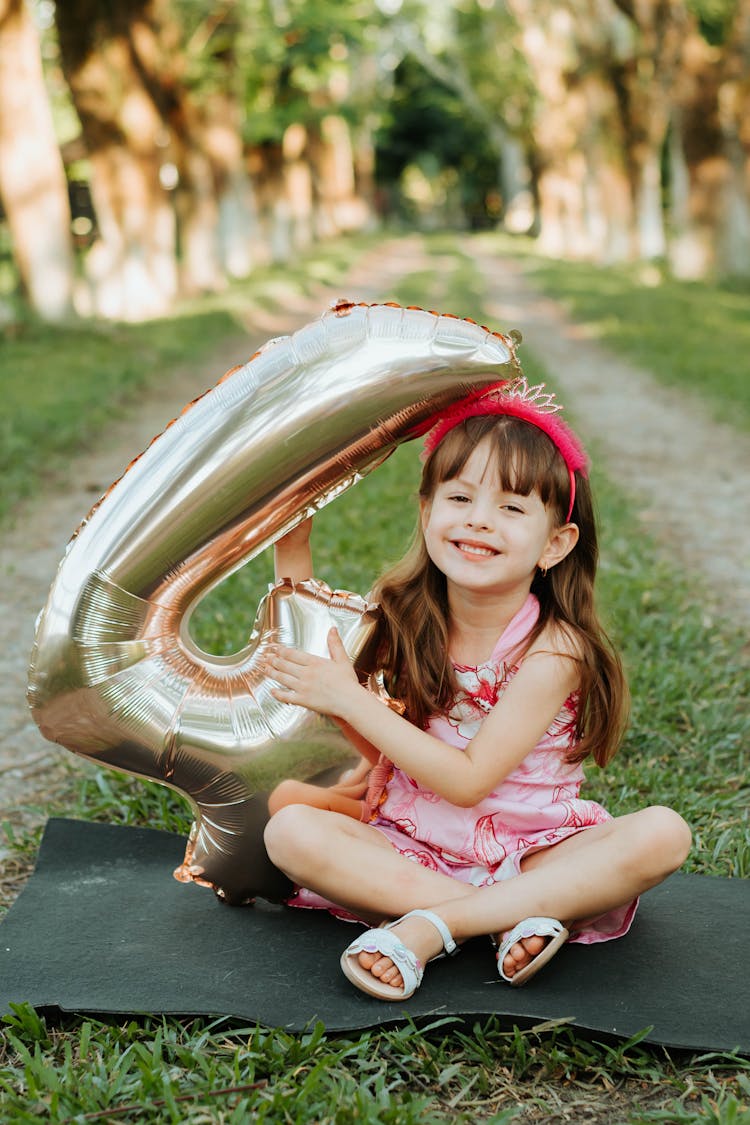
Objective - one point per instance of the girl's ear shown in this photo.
(560, 543)
(424, 512)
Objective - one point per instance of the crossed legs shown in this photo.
(588, 874)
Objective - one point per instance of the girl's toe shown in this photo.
(382, 968)
(391, 975)
(534, 944)
(518, 953)
(509, 963)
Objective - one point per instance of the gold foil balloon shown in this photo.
(116, 676)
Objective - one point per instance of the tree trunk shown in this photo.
(160, 58)
(132, 266)
(213, 197)
(518, 211)
(645, 75)
(577, 130)
(699, 166)
(266, 167)
(235, 199)
(652, 241)
(32, 180)
(711, 161)
(298, 187)
(197, 210)
(733, 252)
(337, 206)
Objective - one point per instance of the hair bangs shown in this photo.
(523, 456)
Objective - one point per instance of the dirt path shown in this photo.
(685, 471)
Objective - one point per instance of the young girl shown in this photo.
(490, 637)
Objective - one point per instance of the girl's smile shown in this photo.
(478, 550)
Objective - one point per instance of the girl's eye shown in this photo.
(459, 498)
(512, 508)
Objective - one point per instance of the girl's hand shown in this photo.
(326, 686)
(292, 553)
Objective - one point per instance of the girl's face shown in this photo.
(485, 538)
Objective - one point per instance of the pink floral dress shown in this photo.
(534, 807)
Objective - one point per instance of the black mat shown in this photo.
(103, 927)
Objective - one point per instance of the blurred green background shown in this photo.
(157, 148)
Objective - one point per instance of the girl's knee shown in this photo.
(667, 837)
(289, 832)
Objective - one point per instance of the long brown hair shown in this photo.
(411, 646)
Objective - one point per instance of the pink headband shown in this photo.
(531, 404)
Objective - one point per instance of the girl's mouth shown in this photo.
(477, 549)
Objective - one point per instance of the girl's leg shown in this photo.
(588, 874)
(290, 792)
(353, 864)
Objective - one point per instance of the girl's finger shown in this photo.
(280, 663)
(283, 695)
(293, 656)
(336, 646)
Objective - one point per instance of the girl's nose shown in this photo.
(479, 518)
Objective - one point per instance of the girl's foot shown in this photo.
(418, 935)
(389, 962)
(529, 946)
(521, 954)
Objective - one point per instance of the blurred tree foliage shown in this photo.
(217, 134)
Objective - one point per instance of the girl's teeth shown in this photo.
(475, 550)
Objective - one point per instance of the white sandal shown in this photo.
(408, 964)
(532, 927)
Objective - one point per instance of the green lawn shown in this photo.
(685, 748)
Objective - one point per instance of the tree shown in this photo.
(132, 265)
(734, 122)
(585, 198)
(33, 188)
(646, 77)
(177, 102)
(442, 158)
(710, 146)
(309, 87)
(634, 97)
(470, 109)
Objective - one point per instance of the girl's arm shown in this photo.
(293, 560)
(292, 554)
(366, 749)
(463, 777)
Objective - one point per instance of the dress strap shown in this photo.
(517, 629)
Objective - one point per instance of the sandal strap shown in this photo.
(449, 944)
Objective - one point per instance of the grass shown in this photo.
(199, 1071)
(692, 335)
(685, 748)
